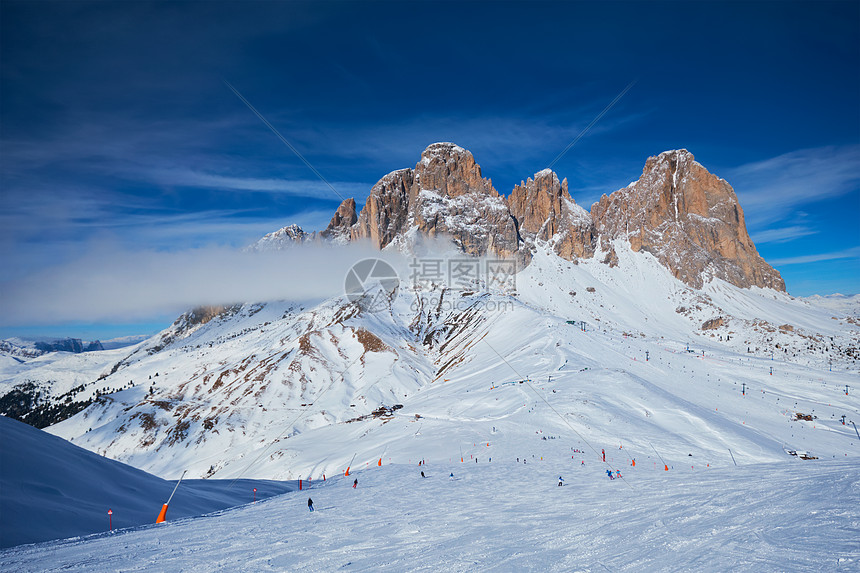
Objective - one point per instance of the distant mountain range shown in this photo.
(31, 347)
(648, 319)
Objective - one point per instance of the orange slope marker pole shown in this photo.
(163, 513)
(382, 456)
(346, 474)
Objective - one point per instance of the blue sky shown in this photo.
(119, 132)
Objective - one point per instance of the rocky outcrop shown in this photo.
(689, 219)
(545, 211)
(386, 211)
(713, 323)
(344, 218)
(443, 196)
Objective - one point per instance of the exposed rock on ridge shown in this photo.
(344, 218)
(685, 216)
(444, 195)
(386, 211)
(545, 211)
(689, 219)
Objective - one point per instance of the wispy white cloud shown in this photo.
(532, 140)
(782, 234)
(314, 189)
(773, 189)
(852, 253)
(114, 284)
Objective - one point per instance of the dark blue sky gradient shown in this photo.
(117, 126)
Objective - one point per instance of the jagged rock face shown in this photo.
(344, 218)
(689, 219)
(545, 211)
(445, 195)
(452, 171)
(678, 211)
(453, 199)
(386, 212)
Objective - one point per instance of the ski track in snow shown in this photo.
(504, 516)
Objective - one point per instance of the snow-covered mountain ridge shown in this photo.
(602, 341)
(26, 348)
(281, 390)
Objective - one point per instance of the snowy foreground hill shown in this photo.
(52, 489)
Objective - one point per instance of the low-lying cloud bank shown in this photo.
(120, 285)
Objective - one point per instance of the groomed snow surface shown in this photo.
(507, 516)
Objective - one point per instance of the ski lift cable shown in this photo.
(284, 140)
(528, 383)
(593, 122)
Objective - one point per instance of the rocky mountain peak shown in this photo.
(386, 212)
(689, 219)
(444, 195)
(281, 239)
(451, 171)
(545, 211)
(344, 218)
(444, 151)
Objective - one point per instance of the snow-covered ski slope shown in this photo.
(505, 516)
(522, 386)
(281, 391)
(51, 489)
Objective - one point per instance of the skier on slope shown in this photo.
(560, 481)
(609, 473)
(452, 476)
(355, 483)
(310, 504)
(422, 475)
